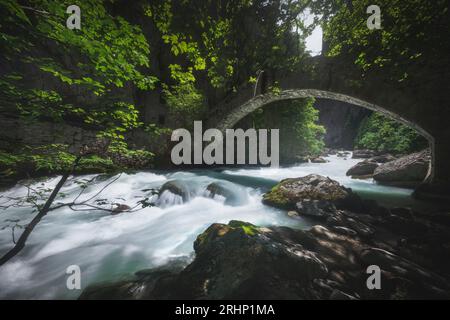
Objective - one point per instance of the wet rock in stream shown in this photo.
(239, 260)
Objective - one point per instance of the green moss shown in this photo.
(217, 230)
(248, 228)
(201, 238)
(277, 198)
(213, 231)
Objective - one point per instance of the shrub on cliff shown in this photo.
(383, 134)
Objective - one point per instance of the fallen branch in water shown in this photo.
(75, 205)
(20, 244)
(46, 208)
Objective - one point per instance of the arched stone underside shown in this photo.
(424, 107)
(230, 120)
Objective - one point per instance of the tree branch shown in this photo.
(20, 244)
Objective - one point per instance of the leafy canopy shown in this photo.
(84, 71)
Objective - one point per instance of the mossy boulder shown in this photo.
(217, 230)
(240, 260)
(288, 192)
(248, 228)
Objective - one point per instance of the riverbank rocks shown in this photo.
(363, 154)
(315, 208)
(318, 160)
(240, 260)
(415, 281)
(328, 151)
(233, 261)
(342, 154)
(301, 159)
(363, 169)
(309, 193)
(407, 171)
(383, 158)
(143, 284)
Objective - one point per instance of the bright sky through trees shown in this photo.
(314, 41)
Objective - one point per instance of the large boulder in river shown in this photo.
(221, 190)
(383, 158)
(232, 261)
(362, 169)
(289, 192)
(406, 171)
(242, 261)
(175, 187)
(239, 260)
(216, 189)
(173, 192)
(363, 154)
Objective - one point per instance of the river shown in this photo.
(111, 247)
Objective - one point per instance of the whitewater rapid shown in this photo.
(111, 247)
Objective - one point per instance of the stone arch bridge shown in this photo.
(424, 107)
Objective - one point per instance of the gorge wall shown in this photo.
(342, 121)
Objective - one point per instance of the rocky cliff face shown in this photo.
(19, 132)
(342, 121)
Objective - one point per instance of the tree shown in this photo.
(227, 42)
(300, 133)
(41, 200)
(50, 71)
(380, 133)
(414, 37)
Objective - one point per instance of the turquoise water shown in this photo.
(110, 247)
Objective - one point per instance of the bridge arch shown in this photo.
(238, 113)
(259, 101)
(424, 107)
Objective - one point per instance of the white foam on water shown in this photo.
(107, 247)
